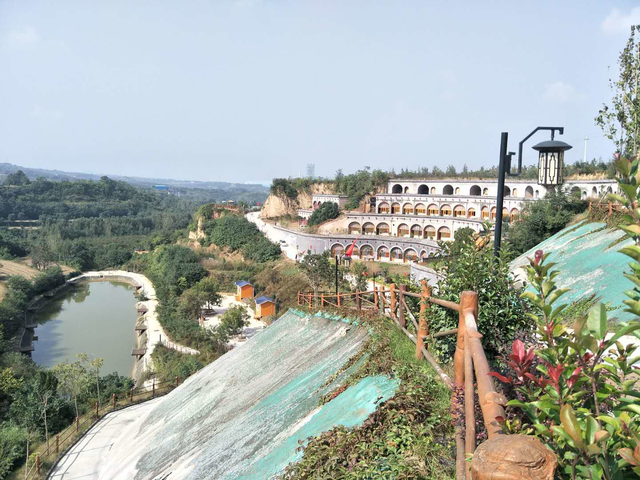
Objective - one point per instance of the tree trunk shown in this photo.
(75, 401)
(98, 387)
(26, 463)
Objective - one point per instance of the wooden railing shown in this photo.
(469, 359)
(47, 454)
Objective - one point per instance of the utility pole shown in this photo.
(584, 157)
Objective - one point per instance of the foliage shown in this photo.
(542, 219)
(283, 186)
(17, 178)
(12, 447)
(232, 322)
(326, 211)
(169, 364)
(317, 269)
(72, 379)
(462, 238)
(581, 399)
(361, 273)
(408, 436)
(173, 269)
(205, 292)
(359, 184)
(501, 313)
(237, 233)
(620, 122)
(281, 281)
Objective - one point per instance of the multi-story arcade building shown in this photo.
(405, 223)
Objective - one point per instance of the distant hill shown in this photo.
(250, 193)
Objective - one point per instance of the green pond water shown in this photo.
(95, 318)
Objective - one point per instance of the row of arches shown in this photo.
(445, 210)
(382, 253)
(474, 190)
(584, 193)
(415, 231)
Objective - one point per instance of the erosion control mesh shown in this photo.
(244, 415)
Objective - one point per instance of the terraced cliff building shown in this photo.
(417, 213)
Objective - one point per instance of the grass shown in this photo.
(408, 436)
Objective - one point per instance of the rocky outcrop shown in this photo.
(278, 206)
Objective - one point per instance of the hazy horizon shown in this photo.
(245, 91)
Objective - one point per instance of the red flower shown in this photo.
(538, 257)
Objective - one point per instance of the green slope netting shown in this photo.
(243, 415)
(589, 263)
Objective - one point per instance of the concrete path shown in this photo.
(275, 235)
(255, 326)
(84, 460)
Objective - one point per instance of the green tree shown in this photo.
(72, 380)
(361, 272)
(17, 178)
(92, 366)
(317, 269)
(232, 322)
(620, 122)
(326, 211)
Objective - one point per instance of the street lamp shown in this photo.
(550, 165)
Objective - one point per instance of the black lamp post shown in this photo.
(550, 165)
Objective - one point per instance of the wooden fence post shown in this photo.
(97, 413)
(176, 381)
(610, 208)
(38, 464)
(394, 302)
(298, 298)
(358, 304)
(113, 397)
(401, 317)
(375, 296)
(57, 444)
(322, 299)
(423, 328)
(469, 405)
(338, 302)
(77, 424)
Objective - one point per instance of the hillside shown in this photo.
(250, 193)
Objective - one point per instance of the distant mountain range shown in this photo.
(251, 193)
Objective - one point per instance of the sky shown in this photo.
(249, 90)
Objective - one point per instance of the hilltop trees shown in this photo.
(17, 178)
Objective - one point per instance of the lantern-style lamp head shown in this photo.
(551, 161)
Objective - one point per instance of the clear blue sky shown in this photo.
(249, 90)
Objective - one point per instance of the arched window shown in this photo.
(458, 211)
(528, 192)
(445, 210)
(407, 209)
(410, 255)
(507, 191)
(484, 212)
(395, 208)
(609, 190)
(514, 192)
(447, 190)
(396, 254)
(368, 228)
(444, 233)
(433, 210)
(433, 190)
(355, 228)
(515, 214)
(397, 188)
(336, 249)
(406, 189)
(355, 252)
(485, 191)
(471, 213)
(384, 208)
(416, 231)
(383, 253)
(403, 230)
(421, 209)
(382, 229)
(538, 193)
(424, 256)
(475, 190)
(423, 190)
(494, 211)
(366, 251)
(594, 192)
(429, 232)
(505, 213)
(457, 190)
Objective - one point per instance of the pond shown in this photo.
(95, 318)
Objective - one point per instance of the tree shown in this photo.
(232, 322)
(93, 366)
(317, 269)
(72, 379)
(327, 211)
(17, 178)
(360, 271)
(620, 122)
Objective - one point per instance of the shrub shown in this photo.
(12, 447)
(48, 280)
(169, 364)
(501, 312)
(326, 211)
